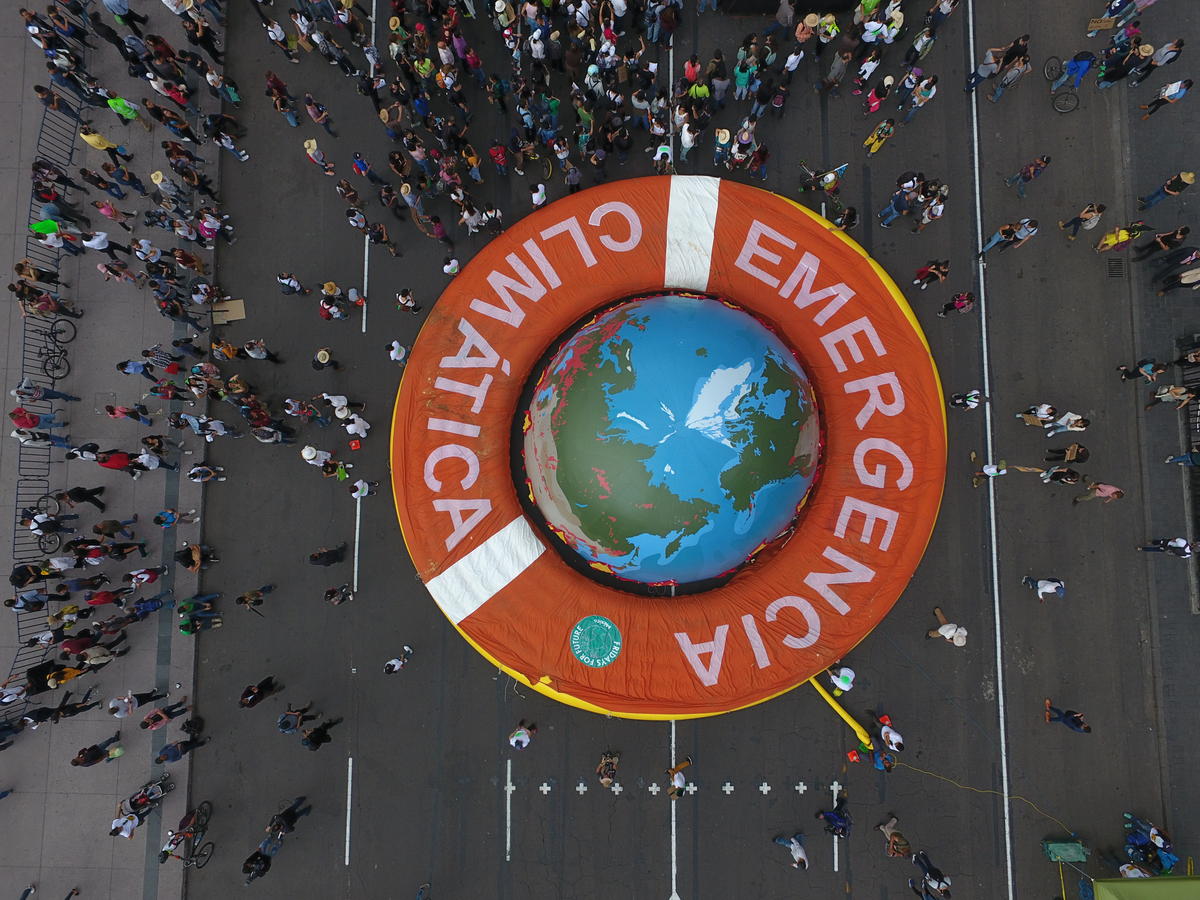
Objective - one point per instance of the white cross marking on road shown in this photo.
(544, 788)
(727, 788)
(765, 788)
(654, 788)
(691, 788)
(801, 787)
(834, 788)
(582, 788)
(616, 789)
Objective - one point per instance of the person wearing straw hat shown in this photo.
(323, 359)
(316, 157)
(1172, 187)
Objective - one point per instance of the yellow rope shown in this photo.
(989, 791)
(1062, 884)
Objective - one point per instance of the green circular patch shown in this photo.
(595, 641)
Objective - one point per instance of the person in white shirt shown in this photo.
(397, 352)
(537, 194)
(357, 426)
(947, 630)
(795, 844)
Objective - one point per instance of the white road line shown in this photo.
(365, 279)
(674, 830)
(349, 791)
(989, 449)
(834, 788)
(508, 792)
(357, 533)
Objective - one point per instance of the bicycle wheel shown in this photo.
(1066, 102)
(200, 858)
(56, 365)
(548, 165)
(203, 814)
(49, 543)
(1053, 68)
(62, 331)
(48, 504)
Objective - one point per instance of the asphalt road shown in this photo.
(430, 765)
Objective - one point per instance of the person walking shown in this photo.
(1171, 393)
(1172, 187)
(962, 302)
(921, 96)
(933, 272)
(406, 301)
(122, 706)
(987, 68)
(676, 780)
(1178, 546)
(1009, 77)
(251, 600)
(933, 882)
(292, 720)
(394, 665)
(1163, 241)
(315, 738)
(875, 141)
(157, 718)
(897, 846)
(284, 821)
(947, 630)
(1010, 236)
(1098, 489)
(1167, 94)
(522, 736)
(1027, 174)
(98, 141)
(838, 820)
(89, 756)
(1069, 717)
(1087, 219)
(1045, 587)
(255, 694)
(795, 844)
(177, 750)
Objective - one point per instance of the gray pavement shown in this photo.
(54, 826)
(430, 797)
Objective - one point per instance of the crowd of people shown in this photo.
(578, 89)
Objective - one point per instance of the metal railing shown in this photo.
(56, 145)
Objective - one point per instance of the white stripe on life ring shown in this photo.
(486, 570)
(691, 230)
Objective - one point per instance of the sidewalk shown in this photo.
(54, 826)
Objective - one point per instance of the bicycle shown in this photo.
(1062, 102)
(48, 504)
(53, 356)
(49, 543)
(192, 829)
(531, 155)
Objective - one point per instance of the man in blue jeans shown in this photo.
(1173, 187)
(899, 206)
(1069, 717)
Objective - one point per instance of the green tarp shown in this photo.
(1165, 888)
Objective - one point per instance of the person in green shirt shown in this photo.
(128, 112)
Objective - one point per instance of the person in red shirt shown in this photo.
(122, 461)
(103, 598)
(23, 418)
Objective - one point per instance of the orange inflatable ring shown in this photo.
(809, 597)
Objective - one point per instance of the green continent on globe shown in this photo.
(769, 447)
(607, 481)
(670, 438)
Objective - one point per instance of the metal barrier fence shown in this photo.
(39, 343)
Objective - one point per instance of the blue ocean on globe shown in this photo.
(669, 438)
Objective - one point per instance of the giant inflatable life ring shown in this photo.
(807, 596)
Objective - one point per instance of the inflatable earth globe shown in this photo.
(668, 439)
